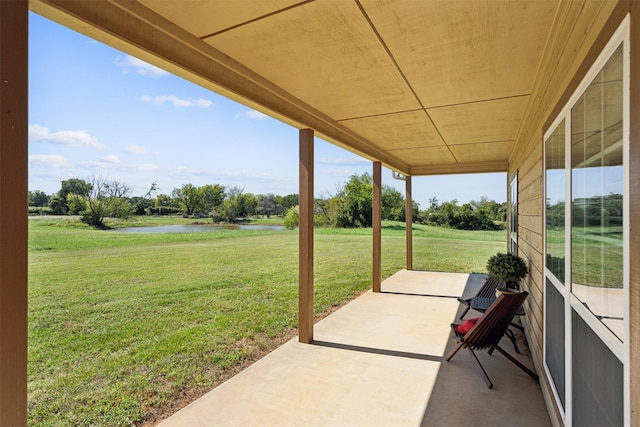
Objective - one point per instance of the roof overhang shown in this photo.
(425, 87)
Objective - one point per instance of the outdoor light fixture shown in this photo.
(398, 176)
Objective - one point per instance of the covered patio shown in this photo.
(421, 88)
(379, 360)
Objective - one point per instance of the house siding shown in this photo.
(580, 31)
(634, 219)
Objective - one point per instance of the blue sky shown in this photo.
(94, 111)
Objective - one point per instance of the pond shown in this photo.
(196, 228)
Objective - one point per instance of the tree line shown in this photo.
(349, 207)
(595, 211)
(99, 197)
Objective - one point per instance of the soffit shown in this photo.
(423, 86)
(326, 53)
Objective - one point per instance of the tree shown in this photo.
(76, 204)
(77, 186)
(268, 205)
(97, 203)
(232, 206)
(163, 204)
(120, 208)
(211, 196)
(398, 213)
(288, 201)
(152, 189)
(466, 217)
(37, 198)
(142, 203)
(189, 198)
(58, 205)
(116, 189)
(355, 202)
(248, 205)
(329, 207)
(433, 204)
(92, 212)
(392, 204)
(494, 210)
(292, 218)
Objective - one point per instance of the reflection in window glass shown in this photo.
(555, 179)
(513, 217)
(597, 195)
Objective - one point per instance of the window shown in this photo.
(555, 177)
(586, 351)
(597, 197)
(513, 214)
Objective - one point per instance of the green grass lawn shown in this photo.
(124, 325)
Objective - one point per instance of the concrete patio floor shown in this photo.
(379, 361)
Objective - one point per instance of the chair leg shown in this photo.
(455, 350)
(517, 363)
(515, 325)
(509, 333)
(465, 311)
(484, 373)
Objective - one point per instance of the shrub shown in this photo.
(292, 218)
(40, 210)
(162, 210)
(320, 220)
(120, 208)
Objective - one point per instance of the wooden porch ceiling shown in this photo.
(424, 86)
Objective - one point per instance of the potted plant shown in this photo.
(509, 268)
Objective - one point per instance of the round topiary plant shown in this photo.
(509, 268)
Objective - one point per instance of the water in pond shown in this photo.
(196, 228)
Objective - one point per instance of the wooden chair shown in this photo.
(487, 290)
(489, 329)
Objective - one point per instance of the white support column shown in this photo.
(13, 211)
(305, 230)
(376, 225)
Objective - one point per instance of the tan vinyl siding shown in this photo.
(634, 218)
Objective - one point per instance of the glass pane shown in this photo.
(554, 339)
(598, 379)
(597, 195)
(513, 217)
(555, 176)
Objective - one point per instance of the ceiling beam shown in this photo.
(461, 168)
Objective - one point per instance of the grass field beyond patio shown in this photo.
(123, 326)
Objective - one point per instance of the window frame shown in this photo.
(621, 349)
(513, 216)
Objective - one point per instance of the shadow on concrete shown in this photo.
(379, 351)
(460, 396)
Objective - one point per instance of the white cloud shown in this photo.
(113, 162)
(69, 138)
(130, 63)
(141, 167)
(226, 177)
(49, 160)
(100, 164)
(112, 158)
(256, 115)
(177, 102)
(136, 150)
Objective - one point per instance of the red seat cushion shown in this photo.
(465, 326)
